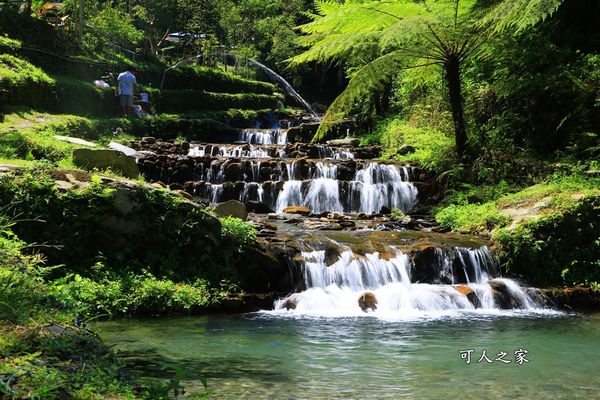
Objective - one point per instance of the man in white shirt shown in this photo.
(125, 89)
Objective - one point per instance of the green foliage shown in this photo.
(129, 239)
(23, 83)
(213, 80)
(82, 97)
(386, 37)
(238, 233)
(471, 217)
(8, 45)
(133, 295)
(110, 26)
(193, 100)
(433, 149)
(20, 277)
(518, 15)
(478, 208)
(262, 27)
(562, 248)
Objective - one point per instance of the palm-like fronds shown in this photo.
(392, 34)
(370, 79)
(519, 15)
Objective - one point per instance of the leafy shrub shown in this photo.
(89, 298)
(8, 45)
(159, 233)
(21, 291)
(561, 249)
(131, 295)
(237, 232)
(110, 26)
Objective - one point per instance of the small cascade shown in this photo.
(263, 161)
(371, 189)
(376, 284)
(263, 136)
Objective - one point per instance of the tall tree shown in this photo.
(395, 34)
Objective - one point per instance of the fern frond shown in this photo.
(519, 15)
(360, 92)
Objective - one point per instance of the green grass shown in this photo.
(556, 193)
(471, 217)
(22, 83)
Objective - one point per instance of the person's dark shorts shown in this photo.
(126, 100)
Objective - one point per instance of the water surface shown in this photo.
(275, 356)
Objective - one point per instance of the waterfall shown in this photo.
(355, 285)
(288, 88)
(380, 186)
(372, 188)
(264, 136)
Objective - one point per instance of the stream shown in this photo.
(373, 311)
(269, 356)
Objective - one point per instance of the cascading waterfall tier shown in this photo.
(355, 285)
(372, 188)
(257, 168)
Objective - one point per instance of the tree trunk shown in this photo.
(452, 70)
(149, 48)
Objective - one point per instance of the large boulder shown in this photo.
(103, 159)
(504, 297)
(233, 171)
(430, 266)
(232, 208)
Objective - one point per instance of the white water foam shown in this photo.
(335, 290)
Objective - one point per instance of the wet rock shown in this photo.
(290, 302)
(367, 301)
(300, 210)
(265, 172)
(232, 208)
(470, 293)
(267, 269)
(385, 211)
(430, 266)
(258, 207)
(344, 142)
(233, 171)
(503, 297)
(176, 186)
(572, 298)
(406, 149)
(347, 224)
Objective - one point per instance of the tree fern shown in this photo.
(395, 34)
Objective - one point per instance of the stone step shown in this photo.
(300, 149)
